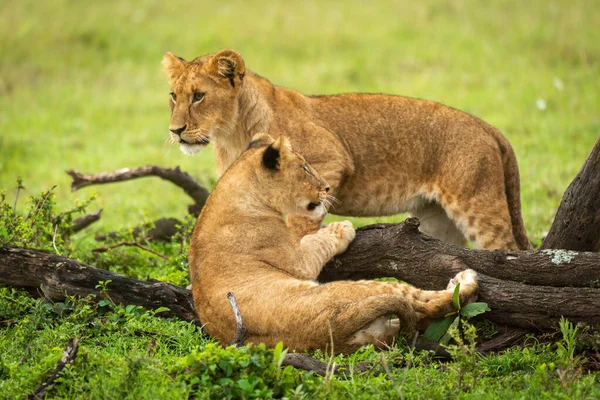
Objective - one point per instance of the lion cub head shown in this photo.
(203, 93)
(288, 182)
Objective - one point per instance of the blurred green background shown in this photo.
(81, 84)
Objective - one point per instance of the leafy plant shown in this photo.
(40, 226)
(464, 355)
(437, 331)
(232, 373)
(568, 363)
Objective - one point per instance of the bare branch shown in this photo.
(174, 175)
(402, 251)
(84, 221)
(129, 244)
(241, 333)
(68, 356)
(61, 277)
(163, 230)
(302, 361)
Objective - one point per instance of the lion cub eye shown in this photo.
(197, 97)
(173, 97)
(305, 168)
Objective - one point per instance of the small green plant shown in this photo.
(437, 331)
(234, 373)
(569, 365)
(40, 226)
(464, 355)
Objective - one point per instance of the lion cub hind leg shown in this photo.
(487, 223)
(367, 320)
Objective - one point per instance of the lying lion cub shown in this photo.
(381, 154)
(241, 244)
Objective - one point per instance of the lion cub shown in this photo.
(241, 244)
(381, 154)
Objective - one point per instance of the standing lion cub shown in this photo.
(381, 154)
(241, 244)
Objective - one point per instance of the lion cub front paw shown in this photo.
(343, 232)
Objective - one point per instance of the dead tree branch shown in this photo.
(68, 357)
(402, 251)
(410, 256)
(84, 221)
(241, 333)
(523, 288)
(129, 244)
(174, 175)
(60, 277)
(163, 229)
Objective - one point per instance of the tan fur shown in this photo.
(381, 154)
(241, 244)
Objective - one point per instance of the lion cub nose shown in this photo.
(178, 131)
(327, 188)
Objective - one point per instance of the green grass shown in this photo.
(81, 86)
(128, 353)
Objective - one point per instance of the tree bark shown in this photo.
(401, 251)
(577, 222)
(55, 277)
(84, 221)
(525, 289)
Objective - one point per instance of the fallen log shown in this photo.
(55, 277)
(518, 294)
(524, 289)
(401, 251)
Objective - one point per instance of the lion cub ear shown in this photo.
(273, 153)
(173, 65)
(260, 140)
(228, 64)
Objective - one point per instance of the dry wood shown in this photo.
(525, 289)
(174, 175)
(241, 333)
(84, 221)
(163, 229)
(577, 222)
(68, 356)
(402, 251)
(129, 244)
(60, 276)
(302, 361)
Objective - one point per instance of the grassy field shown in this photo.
(81, 87)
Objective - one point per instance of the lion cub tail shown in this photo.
(512, 183)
